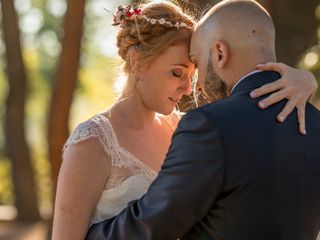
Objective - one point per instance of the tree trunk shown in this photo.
(16, 145)
(65, 83)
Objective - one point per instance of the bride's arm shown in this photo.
(298, 86)
(81, 181)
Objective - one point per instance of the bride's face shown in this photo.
(163, 83)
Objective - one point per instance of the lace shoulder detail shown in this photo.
(94, 127)
(100, 127)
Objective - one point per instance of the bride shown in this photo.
(112, 158)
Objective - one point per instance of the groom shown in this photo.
(232, 172)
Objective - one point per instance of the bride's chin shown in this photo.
(166, 111)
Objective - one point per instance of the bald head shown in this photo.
(230, 40)
(242, 24)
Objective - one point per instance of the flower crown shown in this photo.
(126, 12)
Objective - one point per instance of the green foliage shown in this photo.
(6, 195)
(3, 93)
(95, 88)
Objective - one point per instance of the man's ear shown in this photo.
(220, 53)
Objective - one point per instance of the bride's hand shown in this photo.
(298, 86)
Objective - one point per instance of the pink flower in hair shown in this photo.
(137, 11)
(129, 13)
(125, 12)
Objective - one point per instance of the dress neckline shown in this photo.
(123, 149)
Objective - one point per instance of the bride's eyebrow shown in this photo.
(181, 65)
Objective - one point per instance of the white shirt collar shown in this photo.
(247, 75)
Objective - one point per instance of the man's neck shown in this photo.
(243, 63)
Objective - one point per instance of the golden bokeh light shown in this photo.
(311, 59)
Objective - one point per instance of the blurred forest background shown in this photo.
(58, 66)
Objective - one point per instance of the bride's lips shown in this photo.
(176, 100)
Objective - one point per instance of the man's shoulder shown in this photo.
(196, 120)
(230, 105)
(207, 113)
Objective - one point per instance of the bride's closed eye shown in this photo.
(177, 73)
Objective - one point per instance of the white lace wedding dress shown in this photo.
(129, 177)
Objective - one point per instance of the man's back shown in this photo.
(271, 186)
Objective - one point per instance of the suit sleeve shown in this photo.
(184, 191)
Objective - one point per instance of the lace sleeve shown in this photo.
(92, 128)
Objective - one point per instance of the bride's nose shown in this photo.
(186, 87)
